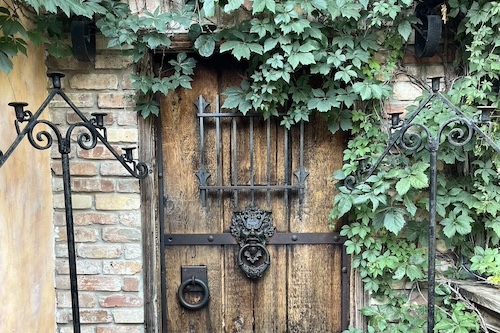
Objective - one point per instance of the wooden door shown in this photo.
(304, 289)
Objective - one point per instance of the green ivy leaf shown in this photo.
(403, 186)
(457, 224)
(343, 204)
(147, 108)
(233, 5)
(394, 220)
(414, 272)
(5, 63)
(405, 29)
(205, 44)
(260, 5)
(208, 8)
(494, 225)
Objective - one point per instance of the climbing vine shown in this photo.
(387, 237)
(323, 56)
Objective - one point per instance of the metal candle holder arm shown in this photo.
(87, 140)
(411, 142)
(94, 131)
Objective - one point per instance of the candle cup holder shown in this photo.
(56, 79)
(435, 83)
(486, 111)
(98, 120)
(21, 114)
(396, 119)
(128, 155)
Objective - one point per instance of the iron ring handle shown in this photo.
(254, 272)
(196, 306)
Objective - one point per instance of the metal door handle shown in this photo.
(193, 282)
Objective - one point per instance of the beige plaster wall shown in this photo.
(27, 297)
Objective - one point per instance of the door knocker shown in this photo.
(252, 228)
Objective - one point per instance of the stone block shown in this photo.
(113, 61)
(92, 316)
(94, 81)
(121, 235)
(116, 100)
(87, 218)
(120, 301)
(121, 267)
(117, 201)
(128, 316)
(99, 283)
(127, 135)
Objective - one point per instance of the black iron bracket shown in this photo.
(428, 30)
(83, 39)
(42, 134)
(411, 136)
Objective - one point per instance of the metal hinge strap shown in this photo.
(279, 238)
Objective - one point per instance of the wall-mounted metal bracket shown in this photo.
(428, 31)
(83, 39)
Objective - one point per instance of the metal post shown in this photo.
(68, 206)
(431, 275)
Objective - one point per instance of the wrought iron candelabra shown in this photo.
(93, 130)
(420, 136)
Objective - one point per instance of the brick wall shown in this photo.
(106, 201)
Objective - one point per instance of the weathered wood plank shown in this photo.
(484, 295)
(149, 206)
(488, 300)
(183, 210)
(238, 290)
(314, 302)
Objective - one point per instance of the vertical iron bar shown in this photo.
(71, 242)
(202, 174)
(161, 228)
(302, 173)
(268, 159)
(217, 147)
(234, 173)
(432, 235)
(346, 302)
(286, 158)
(252, 171)
(201, 109)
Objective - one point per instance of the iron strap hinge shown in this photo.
(279, 238)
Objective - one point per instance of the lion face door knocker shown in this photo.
(252, 228)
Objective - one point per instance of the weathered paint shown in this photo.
(27, 297)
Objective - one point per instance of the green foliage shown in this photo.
(321, 56)
(312, 56)
(479, 41)
(387, 235)
(487, 262)
(48, 28)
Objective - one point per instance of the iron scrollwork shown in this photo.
(42, 134)
(252, 228)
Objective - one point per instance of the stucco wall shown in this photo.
(26, 239)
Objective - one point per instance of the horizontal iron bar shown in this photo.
(232, 115)
(280, 238)
(251, 187)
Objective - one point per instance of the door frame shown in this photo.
(153, 218)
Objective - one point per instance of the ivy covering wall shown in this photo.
(323, 56)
